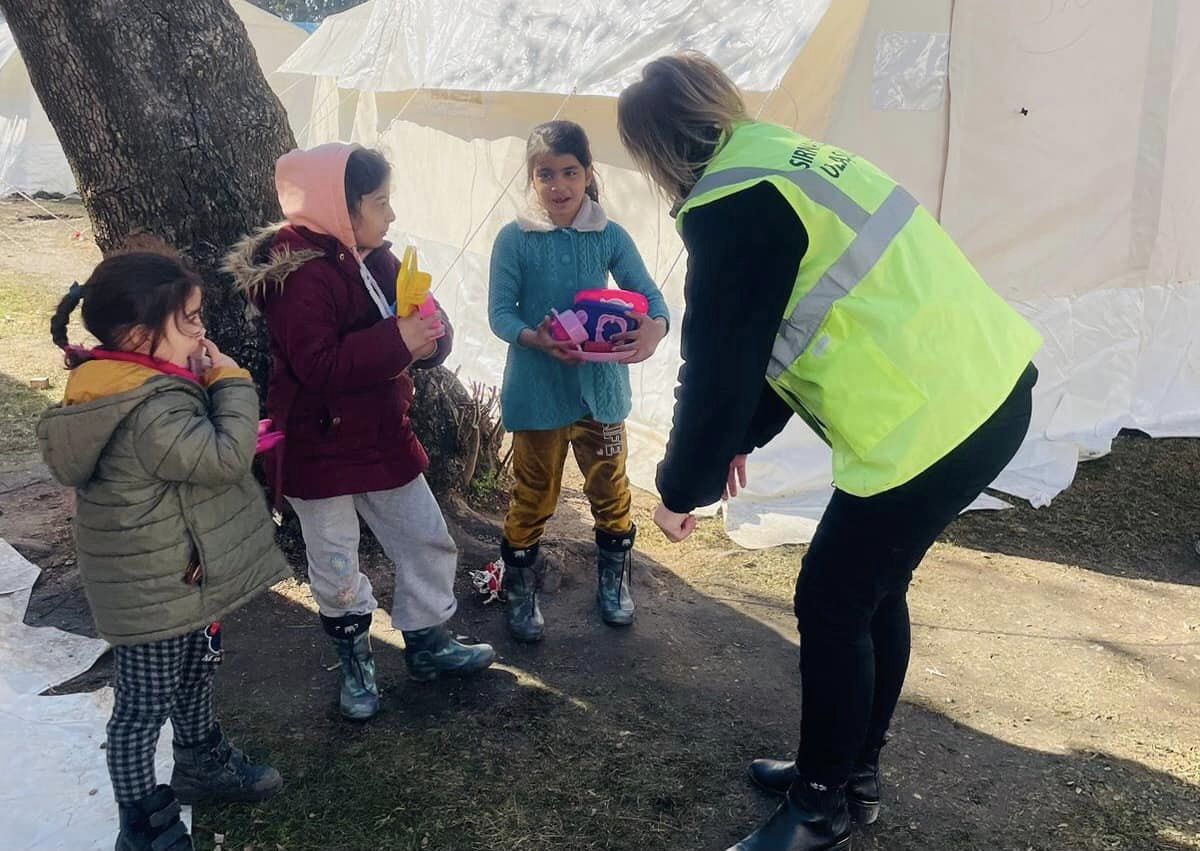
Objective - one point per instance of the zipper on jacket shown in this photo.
(195, 573)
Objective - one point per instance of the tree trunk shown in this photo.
(170, 128)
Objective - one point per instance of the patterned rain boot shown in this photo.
(434, 652)
(521, 583)
(614, 569)
(351, 635)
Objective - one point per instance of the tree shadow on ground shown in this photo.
(1133, 513)
(624, 739)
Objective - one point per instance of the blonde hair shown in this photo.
(671, 119)
(560, 138)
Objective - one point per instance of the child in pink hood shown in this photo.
(340, 389)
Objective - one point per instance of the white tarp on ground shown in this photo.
(1053, 140)
(56, 795)
(61, 799)
(32, 659)
(31, 158)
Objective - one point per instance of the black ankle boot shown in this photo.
(864, 787)
(862, 790)
(773, 775)
(152, 824)
(811, 818)
(217, 772)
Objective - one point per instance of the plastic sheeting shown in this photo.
(60, 799)
(910, 70)
(1058, 157)
(35, 658)
(589, 47)
(31, 158)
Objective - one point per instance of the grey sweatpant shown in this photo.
(409, 525)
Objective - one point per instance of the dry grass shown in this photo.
(39, 257)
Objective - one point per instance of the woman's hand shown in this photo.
(677, 527)
(420, 334)
(642, 341)
(543, 341)
(737, 477)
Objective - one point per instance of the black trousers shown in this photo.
(850, 601)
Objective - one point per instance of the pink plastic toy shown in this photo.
(566, 327)
(268, 437)
(271, 438)
(429, 308)
(595, 319)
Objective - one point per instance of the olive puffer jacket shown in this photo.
(171, 528)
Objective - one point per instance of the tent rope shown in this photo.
(9, 189)
(20, 245)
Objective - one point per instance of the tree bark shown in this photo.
(170, 128)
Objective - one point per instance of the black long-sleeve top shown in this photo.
(743, 254)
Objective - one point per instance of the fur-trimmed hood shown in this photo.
(260, 262)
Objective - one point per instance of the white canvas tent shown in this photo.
(31, 158)
(1052, 140)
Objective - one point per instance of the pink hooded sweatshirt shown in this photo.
(312, 191)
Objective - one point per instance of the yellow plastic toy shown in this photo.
(412, 286)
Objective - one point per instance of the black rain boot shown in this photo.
(217, 772)
(521, 585)
(614, 569)
(811, 818)
(152, 824)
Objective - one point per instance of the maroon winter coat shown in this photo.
(339, 384)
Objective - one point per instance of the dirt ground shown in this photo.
(1051, 701)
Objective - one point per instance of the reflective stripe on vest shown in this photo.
(817, 188)
(873, 233)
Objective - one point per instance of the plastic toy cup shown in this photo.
(566, 327)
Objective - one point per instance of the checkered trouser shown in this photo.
(154, 682)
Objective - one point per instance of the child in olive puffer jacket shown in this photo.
(172, 530)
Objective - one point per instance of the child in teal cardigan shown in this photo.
(550, 400)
